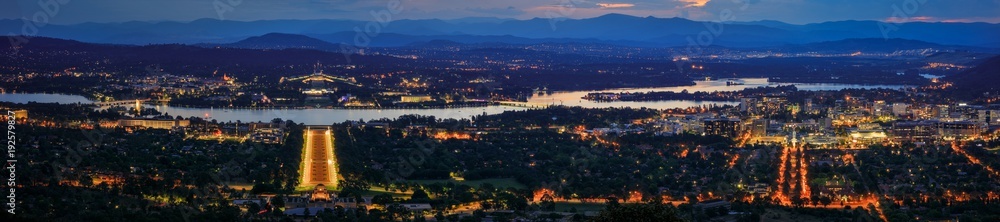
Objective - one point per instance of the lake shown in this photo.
(329, 116)
(573, 98)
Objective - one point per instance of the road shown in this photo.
(319, 162)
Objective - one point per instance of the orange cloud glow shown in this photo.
(695, 3)
(615, 5)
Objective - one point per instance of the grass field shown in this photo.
(375, 190)
(239, 186)
(499, 183)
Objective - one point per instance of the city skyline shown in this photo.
(472, 111)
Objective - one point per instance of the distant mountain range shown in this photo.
(188, 59)
(290, 41)
(281, 41)
(612, 29)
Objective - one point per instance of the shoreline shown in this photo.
(489, 104)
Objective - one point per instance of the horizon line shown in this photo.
(889, 20)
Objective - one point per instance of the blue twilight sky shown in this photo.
(790, 11)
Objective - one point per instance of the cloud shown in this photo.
(694, 3)
(615, 5)
(910, 19)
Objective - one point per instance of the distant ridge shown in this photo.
(619, 28)
(870, 45)
(294, 41)
(281, 41)
(195, 60)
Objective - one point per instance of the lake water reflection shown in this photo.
(574, 98)
(329, 116)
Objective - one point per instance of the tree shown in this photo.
(278, 201)
(439, 216)
(353, 188)
(798, 202)
(825, 200)
(382, 199)
(397, 211)
(652, 211)
(253, 208)
(723, 211)
(419, 194)
(86, 181)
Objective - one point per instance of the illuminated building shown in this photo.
(415, 99)
(880, 108)
(19, 114)
(763, 105)
(748, 105)
(868, 136)
(943, 111)
(820, 141)
(722, 127)
(960, 130)
(774, 104)
(900, 109)
(990, 117)
(319, 194)
(912, 131)
(758, 127)
(153, 123)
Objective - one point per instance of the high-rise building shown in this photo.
(989, 117)
(913, 131)
(900, 109)
(808, 105)
(758, 127)
(960, 130)
(880, 108)
(943, 111)
(773, 104)
(748, 105)
(722, 127)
